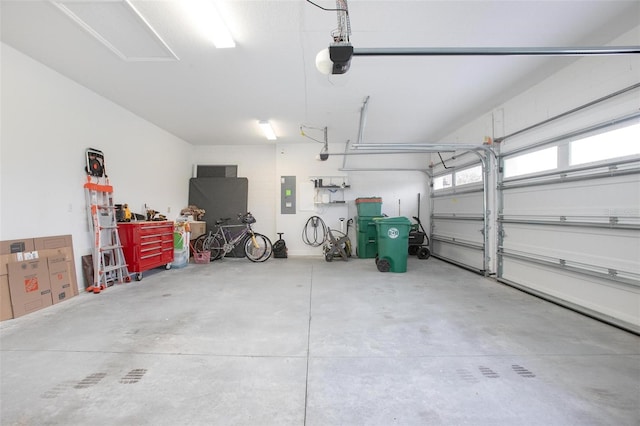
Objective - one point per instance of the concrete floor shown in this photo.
(301, 341)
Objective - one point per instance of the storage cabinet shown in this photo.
(146, 245)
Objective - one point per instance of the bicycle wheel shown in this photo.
(216, 247)
(259, 251)
(200, 243)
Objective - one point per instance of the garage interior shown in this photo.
(509, 130)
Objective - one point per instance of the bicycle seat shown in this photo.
(222, 220)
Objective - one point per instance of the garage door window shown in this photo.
(468, 176)
(443, 182)
(533, 162)
(604, 146)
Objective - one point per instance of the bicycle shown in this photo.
(257, 247)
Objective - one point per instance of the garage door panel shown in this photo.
(466, 256)
(459, 204)
(574, 235)
(615, 249)
(620, 302)
(457, 223)
(463, 230)
(590, 198)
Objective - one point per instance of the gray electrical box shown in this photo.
(288, 195)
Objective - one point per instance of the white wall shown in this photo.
(47, 123)
(264, 165)
(392, 186)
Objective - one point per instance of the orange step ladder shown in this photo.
(109, 264)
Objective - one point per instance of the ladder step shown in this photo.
(109, 261)
(113, 268)
(108, 248)
(109, 227)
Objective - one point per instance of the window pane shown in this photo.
(538, 161)
(442, 182)
(613, 144)
(466, 176)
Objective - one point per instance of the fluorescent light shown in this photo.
(267, 130)
(206, 18)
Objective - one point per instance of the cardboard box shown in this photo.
(30, 286)
(35, 273)
(44, 245)
(64, 252)
(60, 279)
(5, 259)
(197, 228)
(58, 241)
(16, 246)
(6, 311)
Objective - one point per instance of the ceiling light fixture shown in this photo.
(207, 19)
(337, 58)
(267, 130)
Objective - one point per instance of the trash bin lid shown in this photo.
(369, 200)
(401, 220)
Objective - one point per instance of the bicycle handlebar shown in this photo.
(245, 218)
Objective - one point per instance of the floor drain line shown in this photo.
(521, 371)
(467, 376)
(90, 380)
(133, 376)
(57, 390)
(487, 372)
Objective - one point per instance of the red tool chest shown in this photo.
(146, 245)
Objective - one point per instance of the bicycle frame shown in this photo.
(257, 247)
(232, 242)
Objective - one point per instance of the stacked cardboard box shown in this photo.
(35, 273)
(197, 228)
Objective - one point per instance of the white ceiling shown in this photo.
(216, 96)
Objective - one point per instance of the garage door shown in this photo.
(569, 221)
(458, 213)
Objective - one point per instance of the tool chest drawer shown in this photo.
(146, 245)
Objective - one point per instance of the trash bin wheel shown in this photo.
(383, 265)
(328, 257)
(423, 253)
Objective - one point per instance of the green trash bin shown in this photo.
(370, 206)
(367, 237)
(393, 243)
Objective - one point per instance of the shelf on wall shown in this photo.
(340, 202)
(333, 187)
(327, 188)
